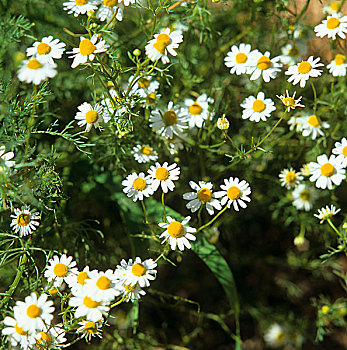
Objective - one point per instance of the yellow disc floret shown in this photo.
(195, 109)
(90, 327)
(147, 151)
(45, 339)
(327, 169)
(33, 311)
(169, 118)
(34, 64)
(161, 174)
(103, 283)
(110, 3)
(340, 59)
(43, 49)
(143, 83)
(139, 184)
(344, 151)
(233, 193)
(304, 67)
(175, 229)
(23, 219)
(80, 2)
(86, 47)
(92, 117)
(264, 63)
(90, 303)
(163, 40)
(305, 195)
(289, 101)
(60, 270)
(333, 23)
(313, 121)
(290, 177)
(138, 270)
(204, 195)
(258, 106)
(81, 278)
(19, 330)
(241, 57)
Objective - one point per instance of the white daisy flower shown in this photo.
(76, 280)
(24, 220)
(312, 126)
(177, 233)
(47, 49)
(90, 329)
(238, 59)
(112, 107)
(326, 213)
(144, 87)
(128, 2)
(91, 309)
(203, 195)
(338, 66)
(163, 44)
(144, 154)
(87, 50)
(5, 161)
(171, 122)
(261, 65)
(332, 8)
(78, 7)
(16, 334)
(335, 24)
(223, 123)
(89, 116)
(275, 336)
(304, 70)
(137, 186)
(291, 54)
(341, 149)
(35, 71)
(198, 110)
(102, 286)
(303, 197)
(327, 172)
(132, 293)
(140, 272)
(60, 269)
(290, 102)
(289, 178)
(108, 8)
(257, 109)
(305, 170)
(235, 192)
(175, 144)
(34, 313)
(51, 338)
(164, 176)
(296, 123)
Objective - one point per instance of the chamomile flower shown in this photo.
(112, 107)
(275, 336)
(137, 186)
(258, 108)
(34, 313)
(327, 172)
(295, 122)
(326, 213)
(144, 154)
(90, 329)
(341, 149)
(338, 66)
(289, 178)
(76, 280)
(172, 121)
(335, 24)
(303, 197)
(132, 293)
(60, 269)
(164, 176)
(16, 334)
(290, 102)
(89, 116)
(108, 8)
(24, 220)
(144, 86)
(47, 49)
(332, 8)
(78, 7)
(260, 65)
(203, 195)
(141, 272)
(198, 110)
(223, 123)
(51, 337)
(102, 286)
(291, 54)
(177, 234)
(5, 161)
(35, 71)
(312, 126)
(304, 70)
(237, 59)
(305, 170)
(234, 192)
(87, 49)
(163, 44)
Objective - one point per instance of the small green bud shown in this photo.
(137, 52)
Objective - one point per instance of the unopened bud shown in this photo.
(223, 123)
(137, 52)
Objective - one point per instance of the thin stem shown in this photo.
(314, 96)
(199, 214)
(163, 203)
(258, 88)
(111, 19)
(212, 220)
(232, 142)
(144, 211)
(119, 301)
(333, 227)
(102, 83)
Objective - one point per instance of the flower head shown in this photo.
(341, 149)
(275, 336)
(47, 49)
(131, 292)
(50, 337)
(89, 116)
(290, 102)
(326, 213)
(338, 66)
(24, 220)
(107, 9)
(336, 24)
(303, 197)
(291, 53)
(77, 279)
(198, 110)
(137, 186)
(16, 334)
(311, 125)
(144, 154)
(237, 59)
(223, 123)
(90, 329)
(259, 108)
(164, 176)
(78, 7)
(5, 161)
(290, 178)
(36, 70)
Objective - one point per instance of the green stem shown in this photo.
(111, 19)
(119, 301)
(199, 214)
(212, 220)
(314, 96)
(333, 227)
(163, 203)
(102, 83)
(259, 87)
(144, 211)
(232, 142)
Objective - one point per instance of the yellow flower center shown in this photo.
(169, 118)
(103, 283)
(86, 47)
(258, 106)
(233, 193)
(161, 174)
(313, 121)
(305, 195)
(110, 3)
(143, 83)
(43, 49)
(45, 339)
(81, 278)
(147, 151)
(289, 101)
(23, 219)
(204, 195)
(19, 330)
(264, 63)
(241, 58)
(90, 327)
(53, 291)
(151, 98)
(92, 117)
(139, 184)
(344, 151)
(33, 311)
(195, 109)
(34, 64)
(340, 59)
(80, 2)
(60, 270)
(163, 40)
(223, 123)
(290, 177)
(90, 303)
(138, 270)
(333, 23)
(327, 169)
(334, 6)
(280, 336)
(175, 229)
(304, 67)
(293, 51)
